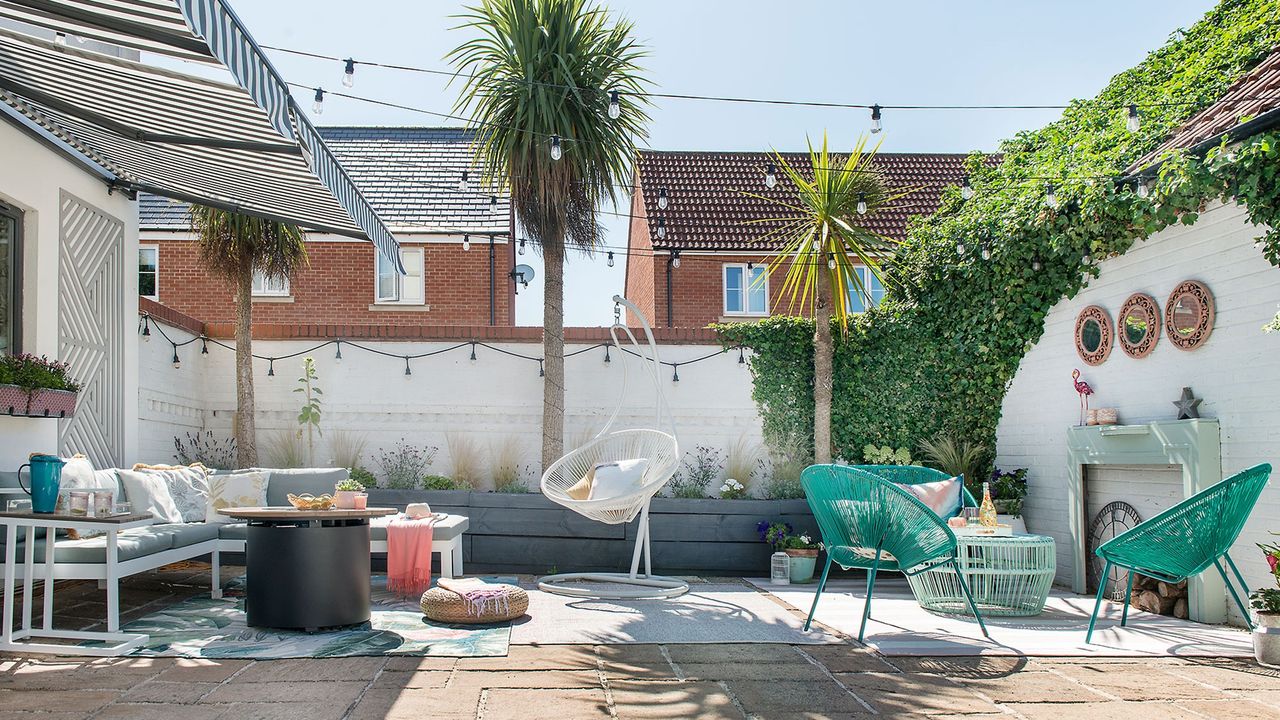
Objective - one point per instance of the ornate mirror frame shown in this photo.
(1144, 303)
(1204, 322)
(1107, 332)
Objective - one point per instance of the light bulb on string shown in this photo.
(1143, 189)
(520, 251)
(615, 105)
(338, 355)
(876, 124)
(742, 359)
(204, 345)
(675, 259)
(493, 203)
(831, 262)
(610, 258)
(177, 362)
(663, 200)
(662, 228)
(146, 328)
(862, 204)
(407, 371)
(1050, 196)
(317, 105)
(466, 242)
(463, 181)
(271, 367)
(960, 248)
(1035, 265)
(966, 189)
(986, 252)
(675, 372)
(541, 371)
(1086, 259)
(750, 266)
(1133, 122)
(557, 152)
(349, 73)
(770, 175)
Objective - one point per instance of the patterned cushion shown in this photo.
(188, 486)
(149, 493)
(245, 489)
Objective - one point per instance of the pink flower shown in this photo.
(1273, 561)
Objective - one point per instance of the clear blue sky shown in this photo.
(935, 52)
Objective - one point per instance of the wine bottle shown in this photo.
(987, 513)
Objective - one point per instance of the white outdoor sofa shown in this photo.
(155, 546)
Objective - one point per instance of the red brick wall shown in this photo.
(639, 287)
(337, 287)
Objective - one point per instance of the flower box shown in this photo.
(42, 402)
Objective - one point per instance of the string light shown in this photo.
(466, 242)
(876, 124)
(966, 189)
(541, 371)
(960, 248)
(663, 202)
(1133, 122)
(862, 203)
(349, 73)
(146, 328)
(338, 355)
(610, 256)
(271, 367)
(473, 351)
(675, 259)
(177, 362)
(1086, 259)
(317, 106)
(521, 250)
(493, 203)
(742, 360)
(463, 181)
(1050, 196)
(770, 175)
(1036, 265)
(556, 151)
(662, 228)
(615, 105)
(204, 345)
(1143, 189)
(986, 252)
(750, 266)
(606, 346)
(407, 371)
(675, 372)
(831, 262)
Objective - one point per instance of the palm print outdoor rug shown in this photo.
(202, 627)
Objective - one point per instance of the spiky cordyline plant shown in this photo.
(821, 222)
(236, 246)
(543, 68)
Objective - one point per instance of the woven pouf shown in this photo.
(447, 606)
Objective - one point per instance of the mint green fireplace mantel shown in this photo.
(1195, 445)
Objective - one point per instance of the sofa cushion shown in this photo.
(188, 486)
(244, 489)
(149, 493)
(297, 481)
(132, 544)
(190, 533)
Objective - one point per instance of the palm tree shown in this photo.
(822, 246)
(538, 83)
(237, 246)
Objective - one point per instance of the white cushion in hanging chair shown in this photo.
(616, 479)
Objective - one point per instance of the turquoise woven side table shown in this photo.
(1009, 575)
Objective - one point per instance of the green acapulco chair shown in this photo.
(918, 475)
(1186, 539)
(868, 522)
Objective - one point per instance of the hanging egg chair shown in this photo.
(613, 477)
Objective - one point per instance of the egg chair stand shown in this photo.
(656, 445)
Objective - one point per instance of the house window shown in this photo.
(264, 286)
(746, 290)
(149, 271)
(392, 287)
(871, 284)
(10, 280)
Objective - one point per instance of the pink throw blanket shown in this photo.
(480, 597)
(409, 555)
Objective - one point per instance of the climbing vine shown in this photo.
(937, 356)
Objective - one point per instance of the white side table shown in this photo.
(21, 640)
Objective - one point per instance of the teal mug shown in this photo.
(46, 476)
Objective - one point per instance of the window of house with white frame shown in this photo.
(873, 287)
(746, 289)
(269, 286)
(149, 271)
(392, 288)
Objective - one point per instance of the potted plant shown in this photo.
(349, 495)
(36, 386)
(803, 552)
(780, 562)
(1266, 605)
(1008, 489)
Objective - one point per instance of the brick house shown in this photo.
(454, 238)
(705, 230)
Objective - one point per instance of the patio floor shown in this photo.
(571, 681)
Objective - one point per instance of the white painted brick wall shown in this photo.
(1237, 371)
(490, 399)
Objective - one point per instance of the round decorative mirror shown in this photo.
(1188, 315)
(1139, 322)
(1094, 335)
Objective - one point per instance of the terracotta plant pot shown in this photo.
(345, 499)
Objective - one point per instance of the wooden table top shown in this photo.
(291, 513)
(109, 520)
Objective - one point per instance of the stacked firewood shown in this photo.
(1159, 597)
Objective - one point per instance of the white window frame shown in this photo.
(414, 259)
(262, 289)
(156, 250)
(867, 277)
(746, 290)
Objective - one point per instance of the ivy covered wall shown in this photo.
(937, 356)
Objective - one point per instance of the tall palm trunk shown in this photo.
(553, 352)
(822, 375)
(246, 431)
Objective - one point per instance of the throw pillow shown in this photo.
(617, 479)
(149, 493)
(78, 474)
(188, 486)
(941, 496)
(244, 489)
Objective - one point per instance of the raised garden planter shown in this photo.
(42, 402)
(526, 533)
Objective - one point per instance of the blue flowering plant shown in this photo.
(775, 534)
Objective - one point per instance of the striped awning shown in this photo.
(245, 147)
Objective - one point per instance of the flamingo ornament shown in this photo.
(1084, 391)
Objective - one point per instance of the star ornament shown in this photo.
(1188, 405)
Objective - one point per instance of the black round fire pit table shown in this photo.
(306, 569)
